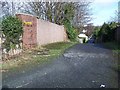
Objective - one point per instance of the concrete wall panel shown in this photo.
(48, 32)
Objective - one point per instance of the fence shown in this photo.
(117, 35)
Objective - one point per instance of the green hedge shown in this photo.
(12, 29)
(106, 32)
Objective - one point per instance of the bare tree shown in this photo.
(82, 15)
(52, 11)
(115, 18)
(77, 12)
(5, 8)
(10, 8)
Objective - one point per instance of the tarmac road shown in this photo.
(81, 66)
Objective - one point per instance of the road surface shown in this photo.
(81, 66)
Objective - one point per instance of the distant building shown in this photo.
(82, 38)
(84, 31)
(89, 29)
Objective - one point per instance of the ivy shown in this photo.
(71, 32)
(12, 30)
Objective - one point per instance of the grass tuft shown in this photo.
(37, 56)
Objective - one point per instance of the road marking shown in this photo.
(19, 86)
(84, 59)
(22, 85)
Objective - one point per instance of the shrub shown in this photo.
(71, 31)
(12, 30)
(106, 32)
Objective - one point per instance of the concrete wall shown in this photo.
(40, 32)
(48, 32)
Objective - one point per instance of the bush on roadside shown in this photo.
(106, 32)
(71, 31)
(12, 30)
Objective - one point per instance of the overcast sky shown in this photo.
(103, 10)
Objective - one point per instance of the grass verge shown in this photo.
(36, 56)
(115, 47)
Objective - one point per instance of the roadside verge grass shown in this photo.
(115, 47)
(36, 56)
